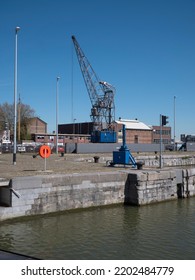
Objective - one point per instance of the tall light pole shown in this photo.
(74, 125)
(160, 157)
(57, 81)
(174, 122)
(15, 91)
(19, 119)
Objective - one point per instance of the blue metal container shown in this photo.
(103, 137)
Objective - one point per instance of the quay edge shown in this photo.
(35, 195)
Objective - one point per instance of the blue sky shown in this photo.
(145, 48)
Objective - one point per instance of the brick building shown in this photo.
(50, 138)
(136, 132)
(166, 134)
(37, 125)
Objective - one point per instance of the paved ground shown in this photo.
(26, 165)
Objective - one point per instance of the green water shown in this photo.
(161, 231)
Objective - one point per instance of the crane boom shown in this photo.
(101, 93)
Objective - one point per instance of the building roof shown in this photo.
(37, 118)
(133, 124)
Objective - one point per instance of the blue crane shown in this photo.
(101, 95)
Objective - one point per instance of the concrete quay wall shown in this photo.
(53, 193)
(157, 186)
(168, 160)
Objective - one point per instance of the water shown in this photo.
(160, 231)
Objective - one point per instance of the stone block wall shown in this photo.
(150, 187)
(53, 193)
(188, 176)
(168, 160)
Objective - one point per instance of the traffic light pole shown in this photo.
(160, 157)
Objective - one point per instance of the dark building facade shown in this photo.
(75, 128)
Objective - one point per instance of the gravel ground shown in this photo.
(26, 165)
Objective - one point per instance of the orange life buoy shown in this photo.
(44, 151)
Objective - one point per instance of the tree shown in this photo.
(6, 116)
(25, 113)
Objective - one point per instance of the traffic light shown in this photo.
(164, 120)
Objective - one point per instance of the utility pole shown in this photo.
(174, 123)
(19, 119)
(160, 158)
(57, 80)
(15, 92)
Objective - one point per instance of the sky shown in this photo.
(144, 48)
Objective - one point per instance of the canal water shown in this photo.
(159, 231)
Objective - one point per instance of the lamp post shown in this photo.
(57, 82)
(174, 123)
(19, 119)
(15, 91)
(74, 126)
(160, 157)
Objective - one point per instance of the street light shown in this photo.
(174, 123)
(15, 91)
(160, 157)
(57, 80)
(74, 126)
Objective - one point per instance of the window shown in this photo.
(156, 141)
(40, 137)
(136, 139)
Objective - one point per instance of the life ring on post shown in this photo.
(44, 151)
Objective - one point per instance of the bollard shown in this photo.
(140, 165)
(96, 159)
